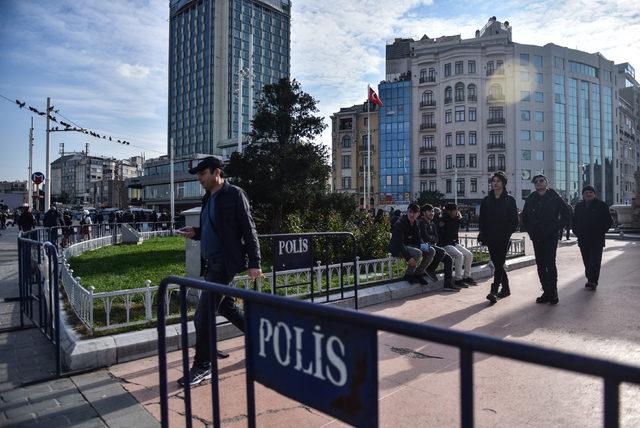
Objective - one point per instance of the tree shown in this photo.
(281, 170)
(433, 197)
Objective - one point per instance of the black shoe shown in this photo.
(547, 298)
(461, 283)
(469, 280)
(591, 285)
(433, 276)
(504, 292)
(492, 298)
(197, 375)
(411, 279)
(421, 280)
(450, 286)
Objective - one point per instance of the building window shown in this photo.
(473, 160)
(496, 138)
(491, 161)
(490, 68)
(366, 121)
(501, 163)
(499, 66)
(495, 91)
(432, 74)
(447, 116)
(346, 142)
(539, 78)
(539, 97)
(524, 76)
(471, 67)
(447, 139)
(471, 92)
(459, 91)
(423, 186)
(539, 116)
(388, 180)
(495, 113)
(539, 136)
(448, 186)
(448, 94)
(432, 164)
(460, 114)
(459, 67)
(401, 180)
(526, 155)
(525, 115)
(423, 74)
(346, 182)
(539, 155)
(460, 186)
(432, 185)
(537, 61)
(448, 162)
(427, 142)
(472, 114)
(460, 161)
(558, 62)
(346, 161)
(427, 97)
(424, 164)
(524, 59)
(459, 138)
(525, 96)
(447, 70)
(472, 138)
(525, 135)
(473, 183)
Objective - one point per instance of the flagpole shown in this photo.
(368, 174)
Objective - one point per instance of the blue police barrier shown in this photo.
(300, 349)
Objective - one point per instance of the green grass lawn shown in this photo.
(121, 267)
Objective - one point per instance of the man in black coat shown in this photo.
(429, 233)
(543, 217)
(228, 245)
(591, 220)
(52, 220)
(407, 243)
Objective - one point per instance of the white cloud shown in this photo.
(133, 71)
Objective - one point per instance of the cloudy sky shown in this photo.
(104, 63)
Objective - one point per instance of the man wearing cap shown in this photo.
(591, 220)
(544, 215)
(228, 237)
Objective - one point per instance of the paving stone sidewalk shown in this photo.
(94, 399)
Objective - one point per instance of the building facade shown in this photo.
(349, 152)
(13, 194)
(628, 143)
(486, 103)
(221, 54)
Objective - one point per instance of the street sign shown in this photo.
(328, 365)
(37, 178)
(292, 252)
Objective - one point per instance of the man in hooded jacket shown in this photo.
(544, 215)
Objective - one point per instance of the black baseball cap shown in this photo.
(211, 162)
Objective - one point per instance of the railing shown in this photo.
(495, 97)
(431, 149)
(428, 79)
(424, 104)
(358, 357)
(494, 168)
(363, 147)
(447, 100)
(472, 98)
(425, 126)
(496, 121)
(428, 171)
(496, 146)
(459, 98)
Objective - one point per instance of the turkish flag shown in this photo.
(374, 98)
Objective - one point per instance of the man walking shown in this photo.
(591, 220)
(227, 236)
(429, 233)
(407, 243)
(543, 217)
(53, 219)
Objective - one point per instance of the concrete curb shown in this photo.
(79, 354)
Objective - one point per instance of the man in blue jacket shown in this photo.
(228, 237)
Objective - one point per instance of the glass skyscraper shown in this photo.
(207, 41)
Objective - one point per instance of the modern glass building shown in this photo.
(395, 142)
(214, 46)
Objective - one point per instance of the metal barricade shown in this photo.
(353, 337)
(38, 268)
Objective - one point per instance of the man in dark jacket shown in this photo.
(52, 220)
(228, 237)
(591, 220)
(26, 221)
(429, 233)
(449, 225)
(407, 243)
(543, 217)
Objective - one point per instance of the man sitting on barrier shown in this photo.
(227, 236)
(429, 233)
(449, 226)
(407, 243)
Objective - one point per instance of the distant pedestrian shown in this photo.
(498, 221)
(543, 217)
(52, 221)
(85, 223)
(591, 220)
(228, 238)
(26, 221)
(67, 229)
(429, 233)
(449, 226)
(406, 242)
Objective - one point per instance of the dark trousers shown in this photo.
(441, 256)
(226, 306)
(592, 259)
(545, 252)
(498, 255)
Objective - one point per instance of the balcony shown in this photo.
(431, 149)
(495, 98)
(428, 171)
(428, 79)
(362, 170)
(472, 98)
(459, 99)
(460, 192)
(363, 148)
(494, 168)
(427, 104)
(496, 146)
(494, 72)
(345, 128)
(427, 126)
(447, 100)
(496, 121)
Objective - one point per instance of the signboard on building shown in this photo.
(37, 178)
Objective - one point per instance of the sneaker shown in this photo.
(469, 280)
(433, 276)
(411, 279)
(546, 298)
(591, 285)
(450, 286)
(197, 375)
(461, 283)
(492, 298)
(421, 280)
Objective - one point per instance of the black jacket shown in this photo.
(448, 230)
(52, 218)
(403, 235)
(543, 217)
(235, 227)
(428, 231)
(498, 218)
(591, 222)
(26, 221)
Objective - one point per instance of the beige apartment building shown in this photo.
(628, 143)
(349, 152)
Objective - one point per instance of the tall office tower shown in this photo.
(628, 143)
(484, 104)
(221, 54)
